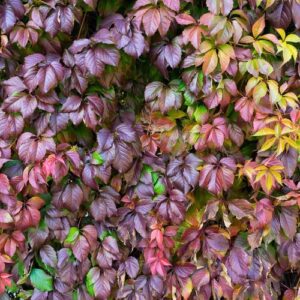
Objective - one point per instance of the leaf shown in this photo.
(132, 266)
(296, 13)
(48, 256)
(41, 280)
(292, 38)
(98, 285)
(210, 62)
(151, 21)
(97, 158)
(288, 221)
(200, 278)
(185, 19)
(217, 177)
(72, 235)
(289, 161)
(281, 16)
(237, 264)
(159, 187)
(5, 217)
(70, 197)
(220, 6)
(172, 4)
(91, 3)
(265, 131)
(258, 26)
(241, 208)
(105, 205)
(259, 91)
(7, 18)
(32, 148)
(268, 144)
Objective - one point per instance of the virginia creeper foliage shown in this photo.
(149, 149)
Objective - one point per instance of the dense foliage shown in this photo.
(149, 149)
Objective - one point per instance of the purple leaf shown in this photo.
(48, 256)
(132, 266)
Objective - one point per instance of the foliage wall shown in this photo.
(149, 149)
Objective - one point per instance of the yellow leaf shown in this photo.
(228, 50)
(291, 142)
(264, 67)
(277, 168)
(287, 123)
(291, 101)
(277, 130)
(281, 146)
(292, 38)
(269, 3)
(293, 50)
(258, 47)
(286, 53)
(205, 46)
(269, 181)
(187, 289)
(282, 103)
(265, 131)
(247, 39)
(268, 46)
(271, 120)
(291, 95)
(281, 33)
(268, 144)
(277, 176)
(258, 26)
(252, 82)
(260, 175)
(259, 91)
(224, 60)
(286, 130)
(273, 90)
(252, 67)
(261, 168)
(210, 62)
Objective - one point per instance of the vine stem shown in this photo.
(81, 26)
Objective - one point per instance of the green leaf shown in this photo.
(200, 78)
(176, 114)
(41, 280)
(89, 283)
(72, 235)
(109, 7)
(97, 158)
(159, 188)
(181, 86)
(189, 98)
(155, 177)
(75, 295)
(107, 233)
(147, 169)
(199, 113)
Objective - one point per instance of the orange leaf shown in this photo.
(258, 26)
(210, 62)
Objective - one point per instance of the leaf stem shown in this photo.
(81, 26)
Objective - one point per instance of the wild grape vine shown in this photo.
(149, 149)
